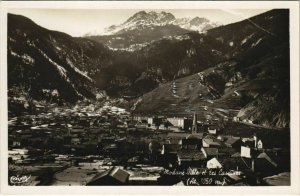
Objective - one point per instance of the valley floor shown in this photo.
(90, 144)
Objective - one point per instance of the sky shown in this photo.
(77, 22)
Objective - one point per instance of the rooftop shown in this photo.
(191, 155)
(178, 135)
(115, 172)
(211, 151)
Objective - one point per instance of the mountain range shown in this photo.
(145, 27)
(143, 20)
(241, 67)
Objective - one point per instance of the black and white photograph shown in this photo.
(148, 97)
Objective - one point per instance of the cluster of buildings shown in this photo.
(121, 146)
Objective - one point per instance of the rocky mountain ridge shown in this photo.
(150, 19)
(143, 28)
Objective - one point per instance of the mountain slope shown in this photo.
(41, 61)
(253, 79)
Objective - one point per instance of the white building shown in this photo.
(177, 122)
(236, 118)
(212, 129)
(213, 164)
(245, 152)
(150, 120)
(259, 144)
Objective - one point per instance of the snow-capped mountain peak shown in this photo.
(143, 19)
(151, 17)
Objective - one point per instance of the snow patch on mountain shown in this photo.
(246, 39)
(257, 42)
(78, 71)
(61, 70)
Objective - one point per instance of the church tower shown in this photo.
(195, 127)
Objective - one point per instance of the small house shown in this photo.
(75, 141)
(212, 129)
(211, 141)
(113, 176)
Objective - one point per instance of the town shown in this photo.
(82, 145)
